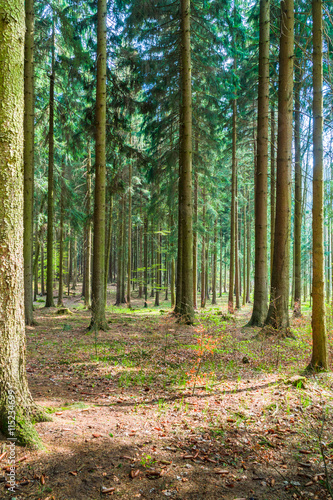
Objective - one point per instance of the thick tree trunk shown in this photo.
(260, 298)
(319, 358)
(278, 313)
(186, 310)
(50, 189)
(16, 405)
(28, 159)
(98, 321)
(273, 186)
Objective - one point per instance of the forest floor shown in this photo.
(127, 423)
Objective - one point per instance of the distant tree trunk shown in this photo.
(87, 260)
(74, 263)
(42, 282)
(28, 159)
(214, 280)
(221, 261)
(203, 253)
(152, 257)
(119, 254)
(186, 310)
(108, 251)
(98, 321)
(158, 267)
(61, 241)
(195, 241)
(50, 189)
(248, 251)
(145, 258)
(140, 256)
(237, 274)
(123, 255)
(14, 392)
(260, 298)
(129, 254)
(298, 197)
(244, 254)
(278, 313)
(319, 360)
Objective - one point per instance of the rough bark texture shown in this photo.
(108, 251)
(98, 304)
(186, 310)
(273, 185)
(61, 243)
(278, 313)
(145, 263)
(129, 254)
(232, 210)
(13, 382)
(319, 358)
(203, 253)
(214, 278)
(28, 159)
(50, 191)
(260, 298)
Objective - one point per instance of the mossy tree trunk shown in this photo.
(278, 312)
(14, 392)
(28, 159)
(98, 321)
(260, 300)
(319, 358)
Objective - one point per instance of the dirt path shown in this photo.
(125, 422)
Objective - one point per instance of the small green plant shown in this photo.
(147, 460)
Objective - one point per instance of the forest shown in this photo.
(166, 249)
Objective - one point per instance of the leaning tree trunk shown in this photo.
(98, 321)
(50, 189)
(17, 408)
(278, 313)
(319, 358)
(28, 159)
(260, 298)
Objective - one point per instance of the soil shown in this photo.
(153, 409)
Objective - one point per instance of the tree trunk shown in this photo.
(129, 255)
(203, 253)
(260, 298)
(273, 186)
(319, 358)
(186, 310)
(61, 241)
(237, 277)
(158, 267)
(50, 189)
(17, 408)
(298, 198)
(278, 313)
(195, 241)
(214, 280)
(145, 258)
(28, 159)
(233, 203)
(108, 251)
(98, 321)
(87, 261)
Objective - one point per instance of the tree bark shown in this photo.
(50, 188)
(214, 280)
(98, 321)
(17, 408)
(260, 298)
(278, 313)
(319, 358)
(195, 241)
(298, 197)
(28, 159)
(87, 261)
(129, 254)
(61, 242)
(186, 310)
